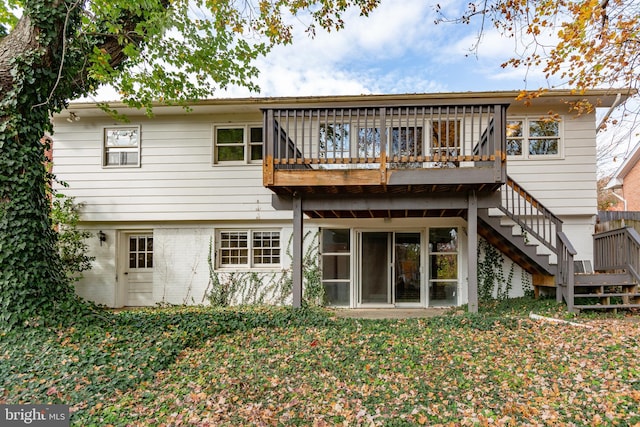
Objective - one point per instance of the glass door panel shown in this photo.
(443, 266)
(336, 266)
(407, 267)
(374, 279)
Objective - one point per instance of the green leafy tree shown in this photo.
(72, 241)
(52, 51)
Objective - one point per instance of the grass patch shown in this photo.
(279, 366)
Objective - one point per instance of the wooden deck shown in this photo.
(385, 150)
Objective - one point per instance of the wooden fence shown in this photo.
(612, 220)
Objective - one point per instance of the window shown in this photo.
(369, 142)
(530, 138)
(141, 251)
(238, 144)
(248, 248)
(445, 137)
(443, 266)
(336, 262)
(515, 137)
(406, 141)
(121, 147)
(334, 141)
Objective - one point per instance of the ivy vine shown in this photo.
(492, 283)
(250, 287)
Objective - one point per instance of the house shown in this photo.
(394, 192)
(626, 180)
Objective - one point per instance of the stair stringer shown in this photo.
(515, 247)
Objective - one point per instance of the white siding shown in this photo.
(176, 180)
(99, 283)
(565, 185)
(181, 269)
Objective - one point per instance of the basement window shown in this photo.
(248, 248)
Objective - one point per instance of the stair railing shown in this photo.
(540, 223)
(617, 250)
(526, 211)
(565, 279)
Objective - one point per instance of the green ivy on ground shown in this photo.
(278, 365)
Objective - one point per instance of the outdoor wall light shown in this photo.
(102, 237)
(73, 117)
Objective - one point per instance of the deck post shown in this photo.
(268, 147)
(500, 142)
(297, 250)
(383, 146)
(472, 251)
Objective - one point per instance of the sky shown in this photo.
(397, 49)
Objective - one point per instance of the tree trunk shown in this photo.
(33, 287)
(43, 63)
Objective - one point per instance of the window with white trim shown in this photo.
(141, 251)
(237, 144)
(121, 146)
(534, 138)
(248, 248)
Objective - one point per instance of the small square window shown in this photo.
(121, 147)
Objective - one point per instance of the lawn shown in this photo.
(278, 366)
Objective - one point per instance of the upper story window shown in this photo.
(335, 140)
(237, 144)
(534, 138)
(121, 146)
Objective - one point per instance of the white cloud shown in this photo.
(397, 49)
(383, 53)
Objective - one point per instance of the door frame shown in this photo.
(391, 253)
(122, 261)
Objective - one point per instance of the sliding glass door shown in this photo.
(375, 268)
(390, 268)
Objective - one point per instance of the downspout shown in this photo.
(623, 201)
(606, 116)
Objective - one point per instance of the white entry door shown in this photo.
(138, 269)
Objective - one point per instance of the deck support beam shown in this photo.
(472, 251)
(297, 250)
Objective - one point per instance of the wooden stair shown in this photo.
(518, 249)
(615, 251)
(605, 291)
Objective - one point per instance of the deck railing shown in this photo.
(412, 137)
(617, 250)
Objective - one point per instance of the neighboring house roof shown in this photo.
(617, 180)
